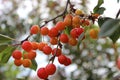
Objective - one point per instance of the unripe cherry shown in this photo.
(53, 40)
(17, 54)
(41, 45)
(18, 62)
(50, 69)
(44, 30)
(68, 20)
(41, 73)
(76, 20)
(64, 38)
(26, 62)
(47, 49)
(56, 51)
(27, 46)
(31, 55)
(94, 33)
(34, 29)
(34, 45)
(78, 12)
(73, 41)
(62, 59)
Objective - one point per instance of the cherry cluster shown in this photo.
(57, 37)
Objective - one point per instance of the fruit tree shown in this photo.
(70, 36)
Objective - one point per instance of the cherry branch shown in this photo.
(118, 13)
(62, 14)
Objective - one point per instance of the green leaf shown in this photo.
(34, 65)
(109, 27)
(67, 30)
(99, 9)
(2, 47)
(4, 39)
(115, 36)
(101, 20)
(6, 54)
(80, 39)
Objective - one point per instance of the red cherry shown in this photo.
(68, 62)
(50, 69)
(17, 54)
(62, 59)
(57, 51)
(47, 49)
(64, 38)
(27, 46)
(42, 73)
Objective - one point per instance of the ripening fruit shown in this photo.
(47, 49)
(53, 32)
(26, 62)
(76, 20)
(85, 22)
(34, 45)
(53, 40)
(73, 33)
(44, 30)
(64, 38)
(78, 12)
(68, 20)
(18, 62)
(94, 33)
(34, 29)
(50, 69)
(118, 63)
(25, 56)
(62, 59)
(27, 46)
(31, 55)
(68, 62)
(73, 41)
(56, 51)
(17, 54)
(60, 26)
(41, 73)
(80, 31)
(41, 45)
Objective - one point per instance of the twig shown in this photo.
(118, 13)
(63, 13)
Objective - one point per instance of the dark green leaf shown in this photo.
(118, 1)
(6, 54)
(4, 39)
(100, 10)
(97, 8)
(101, 20)
(67, 30)
(115, 36)
(109, 27)
(34, 65)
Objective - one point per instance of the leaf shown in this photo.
(4, 38)
(6, 54)
(34, 65)
(2, 47)
(109, 27)
(80, 39)
(100, 10)
(115, 36)
(118, 1)
(67, 30)
(97, 8)
(101, 20)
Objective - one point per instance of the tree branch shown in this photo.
(118, 13)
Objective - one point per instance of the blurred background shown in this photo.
(95, 59)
